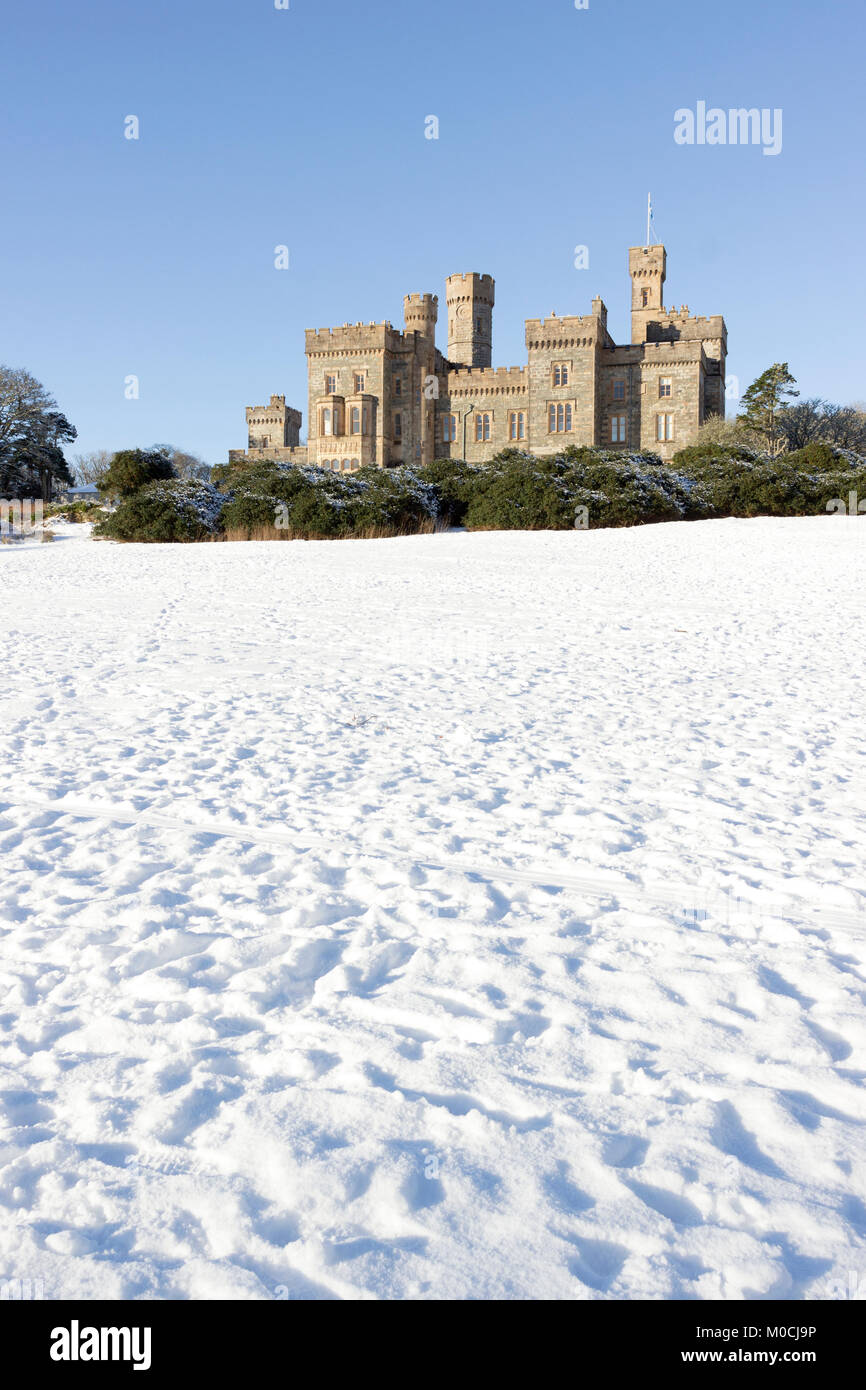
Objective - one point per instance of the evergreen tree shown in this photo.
(763, 402)
(32, 430)
(132, 469)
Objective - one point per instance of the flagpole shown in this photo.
(649, 214)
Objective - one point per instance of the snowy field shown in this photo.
(463, 916)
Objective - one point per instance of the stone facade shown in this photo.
(382, 396)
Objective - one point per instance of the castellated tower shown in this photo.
(420, 312)
(647, 266)
(470, 319)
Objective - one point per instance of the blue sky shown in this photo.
(305, 127)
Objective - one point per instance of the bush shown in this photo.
(701, 453)
(313, 503)
(166, 511)
(75, 511)
(515, 490)
(131, 469)
(518, 491)
(786, 486)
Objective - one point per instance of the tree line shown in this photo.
(33, 431)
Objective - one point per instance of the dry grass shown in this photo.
(428, 527)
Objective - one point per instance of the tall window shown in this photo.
(644, 298)
(664, 427)
(619, 390)
(365, 417)
(356, 420)
(330, 385)
(617, 429)
(478, 326)
(560, 374)
(398, 426)
(327, 423)
(482, 428)
(517, 425)
(665, 385)
(449, 429)
(398, 386)
(559, 419)
(360, 383)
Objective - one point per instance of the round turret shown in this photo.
(470, 298)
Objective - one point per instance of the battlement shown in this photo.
(470, 282)
(427, 301)
(359, 335)
(487, 381)
(682, 315)
(483, 373)
(570, 323)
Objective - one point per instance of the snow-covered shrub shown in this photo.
(518, 491)
(166, 511)
(315, 503)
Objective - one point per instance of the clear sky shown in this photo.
(305, 127)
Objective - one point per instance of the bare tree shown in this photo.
(186, 465)
(815, 420)
(90, 468)
(718, 430)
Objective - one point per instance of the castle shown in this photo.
(381, 396)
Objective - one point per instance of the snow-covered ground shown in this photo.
(456, 916)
